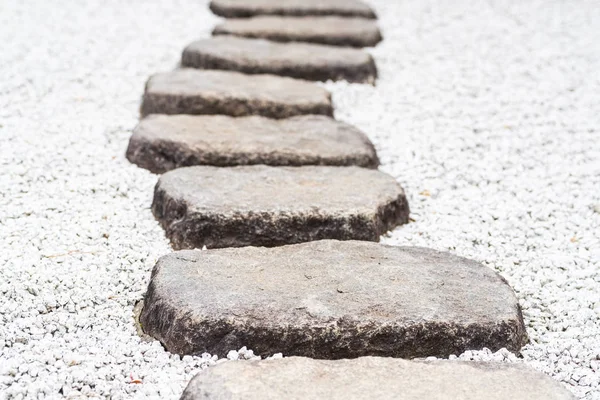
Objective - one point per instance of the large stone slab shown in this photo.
(164, 142)
(299, 378)
(249, 8)
(335, 31)
(330, 299)
(272, 206)
(308, 61)
(192, 91)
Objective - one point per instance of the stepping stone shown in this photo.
(330, 300)
(192, 91)
(164, 142)
(249, 8)
(309, 61)
(272, 206)
(335, 31)
(299, 378)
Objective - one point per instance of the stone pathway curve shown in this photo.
(252, 156)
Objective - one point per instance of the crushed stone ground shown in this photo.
(487, 113)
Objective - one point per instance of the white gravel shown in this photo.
(487, 112)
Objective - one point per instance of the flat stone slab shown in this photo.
(299, 378)
(249, 8)
(335, 31)
(308, 61)
(330, 300)
(164, 142)
(271, 206)
(192, 91)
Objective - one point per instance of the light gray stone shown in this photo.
(249, 8)
(308, 61)
(271, 206)
(192, 91)
(298, 378)
(164, 142)
(335, 31)
(330, 299)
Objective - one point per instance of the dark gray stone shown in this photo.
(335, 31)
(272, 206)
(192, 91)
(330, 299)
(164, 142)
(298, 378)
(308, 61)
(249, 8)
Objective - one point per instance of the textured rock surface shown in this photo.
(192, 91)
(309, 61)
(298, 378)
(330, 299)
(336, 31)
(164, 142)
(271, 206)
(248, 8)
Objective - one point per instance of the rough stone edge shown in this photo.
(138, 309)
(362, 73)
(172, 213)
(243, 12)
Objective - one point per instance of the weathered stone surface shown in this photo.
(164, 142)
(272, 206)
(249, 8)
(308, 61)
(330, 299)
(298, 378)
(335, 31)
(192, 91)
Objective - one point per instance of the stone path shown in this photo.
(272, 206)
(309, 61)
(191, 91)
(297, 378)
(249, 167)
(335, 31)
(330, 299)
(248, 8)
(164, 142)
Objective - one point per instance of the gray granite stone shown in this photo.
(335, 31)
(164, 142)
(298, 378)
(192, 91)
(249, 8)
(271, 206)
(308, 61)
(330, 300)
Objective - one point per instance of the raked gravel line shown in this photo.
(488, 113)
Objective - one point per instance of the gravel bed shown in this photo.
(488, 113)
